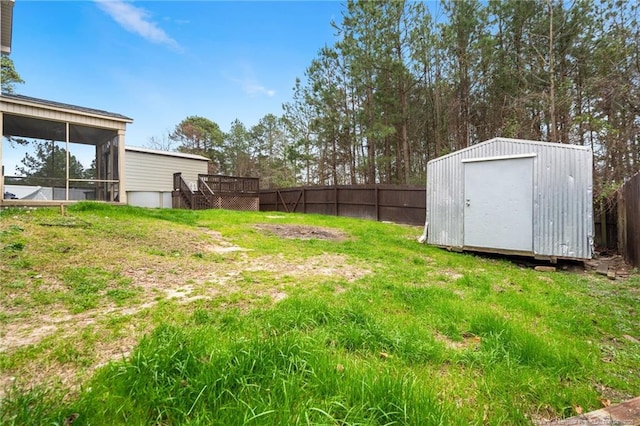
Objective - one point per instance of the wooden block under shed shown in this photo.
(603, 267)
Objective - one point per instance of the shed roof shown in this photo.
(166, 153)
(500, 140)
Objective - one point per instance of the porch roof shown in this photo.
(28, 117)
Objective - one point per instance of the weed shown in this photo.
(16, 246)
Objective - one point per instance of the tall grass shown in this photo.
(286, 371)
(426, 337)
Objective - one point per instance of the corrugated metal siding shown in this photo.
(445, 195)
(153, 172)
(563, 212)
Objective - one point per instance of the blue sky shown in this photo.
(161, 61)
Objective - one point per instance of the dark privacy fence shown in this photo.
(629, 220)
(405, 204)
(399, 204)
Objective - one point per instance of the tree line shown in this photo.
(406, 82)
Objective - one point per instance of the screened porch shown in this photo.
(54, 152)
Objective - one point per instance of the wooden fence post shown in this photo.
(377, 203)
(304, 200)
(603, 223)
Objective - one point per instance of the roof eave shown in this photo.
(165, 153)
(6, 22)
(61, 108)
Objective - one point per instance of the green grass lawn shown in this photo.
(120, 315)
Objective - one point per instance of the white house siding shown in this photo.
(149, 174)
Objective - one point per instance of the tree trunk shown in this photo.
(406, 155)
(371, 142)
(552, 80)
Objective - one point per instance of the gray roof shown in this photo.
(60, 105)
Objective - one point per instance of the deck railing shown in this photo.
(206, 192)
(217, 192)
(231, 184)
(180, 187)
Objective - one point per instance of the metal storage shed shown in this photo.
(513, 196)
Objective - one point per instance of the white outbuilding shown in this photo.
(149, 174)
(516, 197)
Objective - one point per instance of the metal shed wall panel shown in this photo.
(562, 196)
(146, 171)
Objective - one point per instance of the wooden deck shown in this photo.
(217, 192)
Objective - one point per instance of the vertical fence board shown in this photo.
(629, 220)
(400, 204)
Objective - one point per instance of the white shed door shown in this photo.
(498, 210)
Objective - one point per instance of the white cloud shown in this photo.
(253, 88)
(136, 20)
(244, 76)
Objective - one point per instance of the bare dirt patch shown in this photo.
(170, 279)
(469, 341)
(325, 265)
(176, 264)
(303, 232)
(448, 274)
